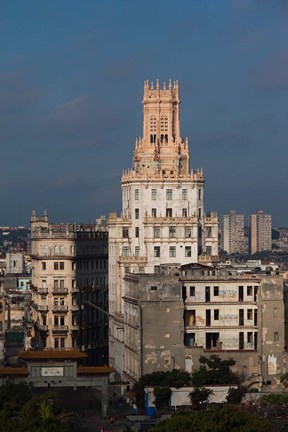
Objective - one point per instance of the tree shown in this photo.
(174, 378)
(199, 397)
(217, 419)
(213, 370)
(235, 395)
(49, 420)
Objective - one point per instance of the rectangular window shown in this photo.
(249, 290)
(136, 194)
(172, 251)
(125, 250)
(209, 232)
(62, 320)
(125, 232)
(209, 250)
(141, 269)
(153, 194)
(137, 250)
(153, 288)
(156, 251)
(172, 232)
(184, 212)
(137, 232)
(44, 283)
(56, 320)
(276, 336)
(249, 337)
(188, 232)
(168, 212)
(62, 342)
(61, 265)
(56, 283)
(188, 251)
(56, 343)
(184, 194)
(154, 212)
(249, 314)
(56, 266)
(199, 213)
(216, 314)
(156, 232)
(43, 265)
(169, 194)
(126, 269)
(136, 213)
(192, 291)
(157, 269)
(199, 194)
(216, 291)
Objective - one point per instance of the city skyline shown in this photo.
(71, 79)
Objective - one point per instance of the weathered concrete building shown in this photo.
(172, 318)
(232, 233)
(260, 226)
(163, 217)
(69, 268)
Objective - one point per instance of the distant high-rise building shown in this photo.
(232, 232)
(260, 225)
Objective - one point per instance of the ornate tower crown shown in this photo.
(161, 148)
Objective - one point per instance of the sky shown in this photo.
(71, 86)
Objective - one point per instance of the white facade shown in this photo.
(163, 218)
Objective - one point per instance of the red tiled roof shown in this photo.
(52, 355)
(94, 370)
(13, 371)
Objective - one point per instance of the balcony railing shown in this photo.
(60, 290)
(60, 308)
(42, 308)
(60, 329)
(42, 291)
(75, 307)
(42, 327)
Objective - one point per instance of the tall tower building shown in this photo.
(260, 225)
(163, 218)
(232, 232)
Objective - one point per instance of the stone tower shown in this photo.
(163, 218)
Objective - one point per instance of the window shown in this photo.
(137, 232)
(216, 314)
(141, 269)
(61, 265)
(199, 194)
(156, 232)
(56, 283)
(216, 291)
(153, 194)
(153, 288)
(172, 251)
(199, 213)
(62, 320)
(249, 314)
(136, 194)
(192, 291)
(73, 265)
(56, 343)
(56, 266)
(249, 290)
(209, 232)
(43, 265)
(44, 283)
(125, 232)
(184, 212)
(125, 251)
(156, 251)
(154, 212)
(172, 232)
(157, 269)
(184, 194)
(276, 336)
(56, 320)
(137, 250)
(249, 337)
(62, 342)
(188, 251)
(136, 213)
(209, 250)
(168, 212)
(169, 194)
(188, 232)
(126, 269)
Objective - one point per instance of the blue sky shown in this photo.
(71, 83)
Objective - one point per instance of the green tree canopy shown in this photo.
(217, 419)
(213, 370)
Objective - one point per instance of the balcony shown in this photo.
(75, 290)
(75, 307)
(74, 327)
(59, 329)
(60, 308)
(42, 291)
(59, 291)
(42, 327)
(42, 308)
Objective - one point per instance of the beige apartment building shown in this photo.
(260, 225)
(163, 217)
(69, 269)
(232, 232)
(174, 317)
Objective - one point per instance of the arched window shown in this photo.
(45, 250)
(61, 250)
(152, 124)
(57, 250)
(164, 124)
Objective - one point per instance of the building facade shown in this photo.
(163, 217)
(260, 225)
(173, 318)
(232, 232)
(69, 269)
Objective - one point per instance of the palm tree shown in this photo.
(51, 422)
